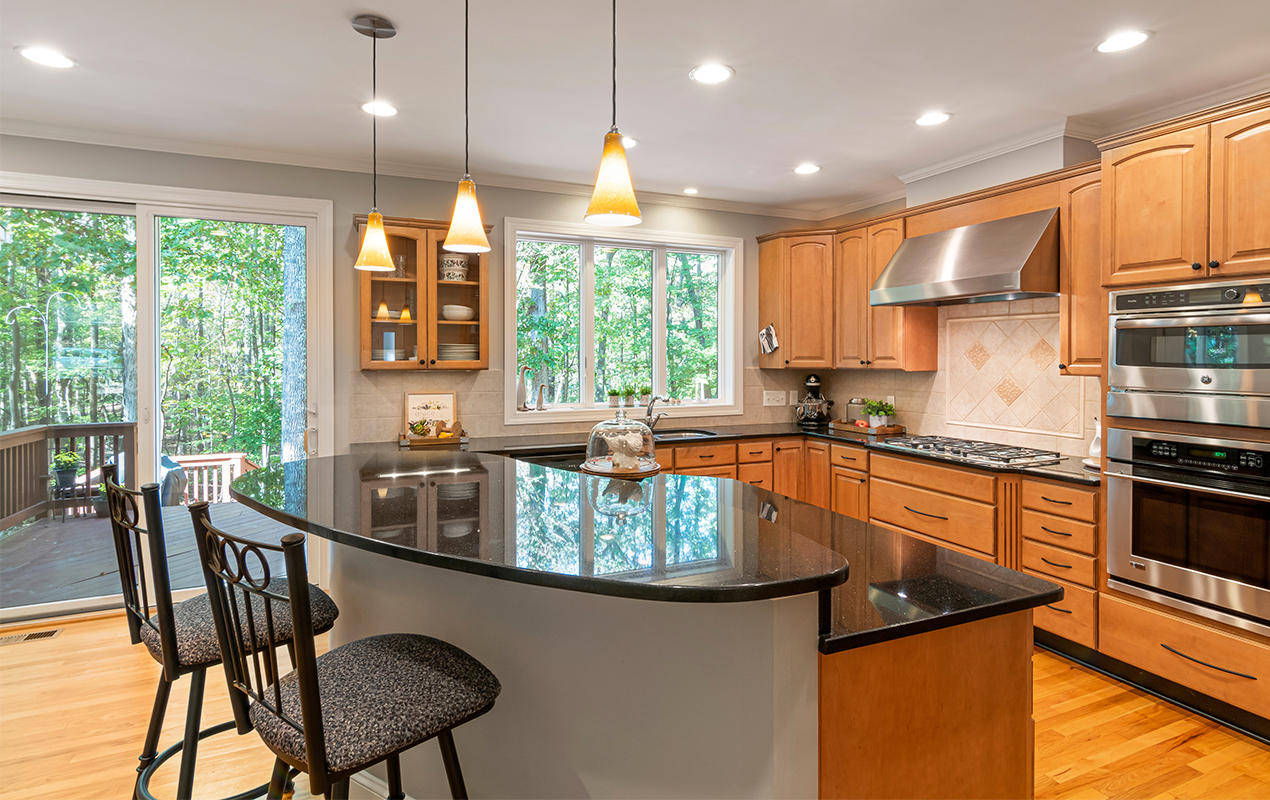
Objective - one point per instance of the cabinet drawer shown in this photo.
(1065, 501)
(1060, 531)
(759, 475)
(728, 471)
(1062, 564)
(712, 455)
(844, 455)
(750, 452)
(1140, 636)
(950, 519)
(1075, 617)
(979, 486)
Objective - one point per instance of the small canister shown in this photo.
(855, 409)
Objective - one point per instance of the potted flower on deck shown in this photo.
(645, 394)
(66, 467)
(615, 397)
(879, 412)
(628, 395)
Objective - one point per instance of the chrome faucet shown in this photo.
(650, 419)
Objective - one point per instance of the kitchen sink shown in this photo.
(682, 433)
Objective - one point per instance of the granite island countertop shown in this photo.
(674, 538)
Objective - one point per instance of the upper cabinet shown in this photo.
(1083, 303)
(419, 316)
(1189, 203)
(796, 299)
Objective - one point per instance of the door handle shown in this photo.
(310, 442)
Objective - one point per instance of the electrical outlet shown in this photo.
(793, 397)
(890, 398)
(774, 398)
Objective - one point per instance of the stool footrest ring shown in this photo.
(143, 780)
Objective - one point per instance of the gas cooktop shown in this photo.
(972, 452)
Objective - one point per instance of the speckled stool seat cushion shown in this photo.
(379, 695)
(196, 643)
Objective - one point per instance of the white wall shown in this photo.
(369, 405)
(1047, 156)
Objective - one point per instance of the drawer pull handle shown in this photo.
(1056, 608)
(1052, 564)
(846, 458)
(760, 480)
(709, 456)
(756, 452)
(1050, 530)
(923, 513)
(1059, 502)
(1205, 663)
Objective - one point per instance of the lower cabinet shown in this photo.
(955, 507)
(787, 467)
(851, 493)
(756, 474)
(1075, 617)
(728, 471)
(817, 489)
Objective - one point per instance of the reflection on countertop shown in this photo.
(680, 538)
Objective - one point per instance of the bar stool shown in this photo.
(378, 697)
(180, 636)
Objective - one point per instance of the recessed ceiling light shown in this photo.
(1123, 41)
(711, 73)
(807, 169)
(690, 191)
(629, 141)
(379, 108)
(47, 57)
(933, 118)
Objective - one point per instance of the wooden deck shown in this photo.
(51, 560)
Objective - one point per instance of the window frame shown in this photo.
(731, 258)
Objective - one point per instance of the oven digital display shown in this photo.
(1215, 455)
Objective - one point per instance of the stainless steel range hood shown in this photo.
(1007, 259)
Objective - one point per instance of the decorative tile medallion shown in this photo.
(1003, 375)
(978, 355)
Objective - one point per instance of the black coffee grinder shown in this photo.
(813, 410)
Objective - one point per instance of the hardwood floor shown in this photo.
(73, 713)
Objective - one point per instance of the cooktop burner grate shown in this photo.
(976, 452)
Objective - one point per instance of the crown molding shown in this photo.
(1191, 105)
(999, 148)
(888, 196)
(37, 130)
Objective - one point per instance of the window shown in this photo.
(591, 314)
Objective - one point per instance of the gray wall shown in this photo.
(369, 405)
(1056, 153)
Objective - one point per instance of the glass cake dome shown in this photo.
(621, 447)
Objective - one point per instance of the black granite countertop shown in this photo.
(1069, 469)
(676, 538)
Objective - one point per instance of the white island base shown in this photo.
(603, 697)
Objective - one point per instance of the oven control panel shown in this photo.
(1240, 461)
(1224, 295)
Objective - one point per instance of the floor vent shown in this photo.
(18, 638)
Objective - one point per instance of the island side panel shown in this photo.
(944, 714)
(604, 697)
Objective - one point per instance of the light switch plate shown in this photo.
(793, 397)
(776, 398)
(890, 398)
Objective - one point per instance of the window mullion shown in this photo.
(660, 272)
(587, 316)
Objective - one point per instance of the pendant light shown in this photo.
(467, 232)
(613, 201)
(374, 256)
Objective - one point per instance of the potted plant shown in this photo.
(880, 413)
(645, 393)
(66, 467)
(628, 395)
(614, 397)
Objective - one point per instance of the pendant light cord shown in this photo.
(467, 124)
(374, 117)
(614, 64)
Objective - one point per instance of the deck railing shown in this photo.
(25, 456)
(210, 474)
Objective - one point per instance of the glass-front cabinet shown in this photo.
(432, 311)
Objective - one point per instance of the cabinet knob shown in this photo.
(423, 361)
(1197, 266)
(862, 361)
(778, 449)
(433, 361)
(787, 361)
(1214, 264)
(1062, 366)
(868, 362)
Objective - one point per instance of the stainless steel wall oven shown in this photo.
(1188, 523)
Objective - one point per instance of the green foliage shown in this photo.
(878, 408)
(615, 393)
(68, 459)
(644, 390)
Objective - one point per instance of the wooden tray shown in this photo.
(848, 425)
(430, 442)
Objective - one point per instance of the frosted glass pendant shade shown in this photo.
(374, 256)
(613, 201)
(467, 233)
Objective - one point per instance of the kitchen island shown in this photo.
(681, 636)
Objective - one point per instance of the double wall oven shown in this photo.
(1188, 512)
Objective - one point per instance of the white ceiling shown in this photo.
(836, 82)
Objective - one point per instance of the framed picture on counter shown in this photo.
(428, 413)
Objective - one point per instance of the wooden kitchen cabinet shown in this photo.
(404, 308)
(1189, 203)
(756, 474)
(1082, 310)
(817, 488)
(851, 493)
(796, 299)
(787, 467)
(878, 337)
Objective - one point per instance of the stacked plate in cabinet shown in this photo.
(458, 352)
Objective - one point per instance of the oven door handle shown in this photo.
(1196, 320)
(1191, 487)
